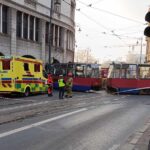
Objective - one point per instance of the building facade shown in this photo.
(27, 30)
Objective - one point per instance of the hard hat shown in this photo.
(49, 75)
(60, 75)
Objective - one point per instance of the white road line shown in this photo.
(2, 135)
(116, 99)
(115, 147)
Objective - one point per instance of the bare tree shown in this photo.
(84, 56)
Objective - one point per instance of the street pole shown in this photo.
(141, 49)
(50, 28)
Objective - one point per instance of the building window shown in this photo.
(31, 27)
(4, 19)
(57, 6)
(37, 30)
(25, 26)
(60, 36)
(52, 35)
(70, 40)
(19, 23)
(56, 35)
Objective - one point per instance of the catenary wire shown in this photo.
(110, 13)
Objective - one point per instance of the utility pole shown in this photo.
(50, 28)
(141, 49)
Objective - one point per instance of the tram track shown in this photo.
(14, 109)
(11, 112)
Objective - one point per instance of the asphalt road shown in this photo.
(86, 122)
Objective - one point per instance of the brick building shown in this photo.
(25, 26)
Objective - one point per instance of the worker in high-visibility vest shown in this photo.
(50, 85)
(69, 84)
(61, 85)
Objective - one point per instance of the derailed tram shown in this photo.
(85, 76)
(129, 78)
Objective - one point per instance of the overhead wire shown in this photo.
(110, 13)
(108, 29)
(90, 18)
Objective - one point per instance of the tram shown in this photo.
(129, 78)
(85, 76)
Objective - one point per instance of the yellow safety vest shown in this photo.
(61, 83)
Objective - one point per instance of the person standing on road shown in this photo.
(69, 84)
(61, 85)
(50, 85)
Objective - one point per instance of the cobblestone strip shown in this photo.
(139, 140)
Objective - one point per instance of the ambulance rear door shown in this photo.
(6, 74)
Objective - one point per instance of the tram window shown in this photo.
(89, 71)
(128, 71)
(80, 71)
(64, 69)
(70, 71)
(71, 68)
(131, 71)
(95, 73)
(144, 72)
(117, 71)
(57, 71)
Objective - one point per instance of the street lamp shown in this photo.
(50, 28)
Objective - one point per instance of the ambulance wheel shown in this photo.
(27, 92)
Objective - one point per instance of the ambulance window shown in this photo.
(36, 67)
(6, 64)
(26, 67)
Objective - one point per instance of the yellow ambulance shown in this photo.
(21, 75)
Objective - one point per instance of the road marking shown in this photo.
(116, 99)
(115, 147)
(40, 123)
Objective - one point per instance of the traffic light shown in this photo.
(147, 29)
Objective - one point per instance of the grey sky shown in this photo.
(100, 30)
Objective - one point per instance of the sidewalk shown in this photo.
(139, 140)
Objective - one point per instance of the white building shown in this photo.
(25, 26)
